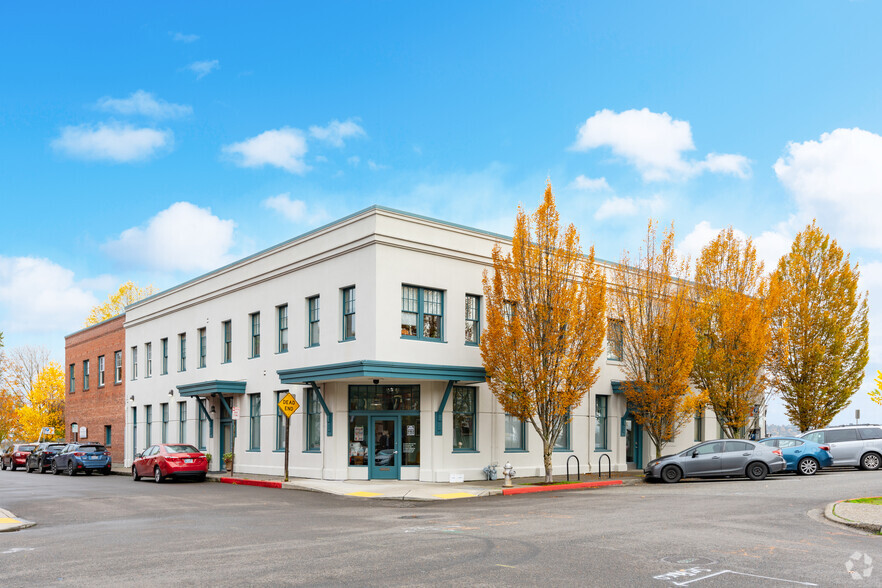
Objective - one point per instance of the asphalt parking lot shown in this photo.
(102, 531)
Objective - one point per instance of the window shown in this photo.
(615, 342)
(117, 367)
(254, 422)
(816, 437)
(182, 422)
(228, 341)
(100, 371)
(699, 425)
(870, 433)
(421, 312)
(107, 435)
(732, 446)
(463, 418)
(201, 347)
(255, 334)
(709, 448)
(600, 426)
(282, 314)
(164, 366)
(313, 421)
(200, 432)
(349, 313)
(280, 422)
(365, 399)
(72, 380)
(85, 375)
(562, 443)
(312, 338)
(840, 435)
(135, 363)
(163, 410)
(182, 345)
(134, 431)
(515, 434)
(472, 319)
(148, 418)
(509, 309)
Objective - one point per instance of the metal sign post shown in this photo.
(288, 405)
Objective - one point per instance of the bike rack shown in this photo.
(600, 466)
(578, 475)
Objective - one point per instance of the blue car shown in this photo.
(802, 456)
(82, 457)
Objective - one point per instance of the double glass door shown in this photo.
(385, 447)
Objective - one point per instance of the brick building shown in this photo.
(95, 391)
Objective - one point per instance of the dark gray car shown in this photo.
(851, 445)
(717, 459)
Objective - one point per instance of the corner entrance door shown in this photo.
(385, 459)
(633, 450)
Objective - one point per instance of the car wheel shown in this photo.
(28, 467)
(70, 469)
(671, 474)
(807, 466)
(870, 461)
(13, 467)
(135, 475)
(55, 470)
(157, 475)
(757, 471)
(3, 465)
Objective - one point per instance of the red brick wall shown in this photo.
(97, 407)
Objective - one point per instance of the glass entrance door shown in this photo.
(226, 442)
(385, 446)
(633, 453)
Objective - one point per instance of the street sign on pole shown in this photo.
(288, 405)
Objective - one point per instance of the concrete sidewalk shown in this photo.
(866, 517)
(10, 522)
(408, 490)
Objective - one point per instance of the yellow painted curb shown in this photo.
(364, 494)
(6, 521)
(454, 495)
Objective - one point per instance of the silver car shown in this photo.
(851, 445)
(717, 459)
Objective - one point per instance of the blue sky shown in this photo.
(230, 128)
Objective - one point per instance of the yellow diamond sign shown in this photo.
(288, 404)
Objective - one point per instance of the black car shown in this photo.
(40, 459)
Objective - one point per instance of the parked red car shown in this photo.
(170, 460)
(17, 456)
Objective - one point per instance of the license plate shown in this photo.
(188, 460)
(93, 457)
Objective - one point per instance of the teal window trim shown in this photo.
(134, 431)
(72, 379)
(516, 451)
(522, 448)
(311, 451)
(415, 308)
(439, 414)
(202, 347)
(164, 349)
(278, 451)
(601, 427)
(108, 435)
(227, 327)
(472, 320)
(134, 362)
(603, 451)
(255, 334)
(280, 422)
(465, 399)
(182, 422)
(85, 375)
(182, 344)
(313, 423)
(282, 319)
(313, 321)
(163, 435)
(565, 435)
(321, 400)
(254, 422)
(148, 425)
(256, 450)
(117, 367)
(348, 314)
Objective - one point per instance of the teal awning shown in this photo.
(617, 387)
(212, 387)
(382, 369)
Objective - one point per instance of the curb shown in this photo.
(247, 482)
(9, 522)
(830, 515)
(578, 486)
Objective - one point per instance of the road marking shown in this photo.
(720, 573)
(454, 495)
(364, 494)
(504, 566)
(16, 550)
(8, 521)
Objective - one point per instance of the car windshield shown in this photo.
(181, 449)
(91, 448)
(769, 442)
(26, 447)
(55, 448)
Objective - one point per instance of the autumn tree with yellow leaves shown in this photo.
(734, 302)
(116, 303)
(31, 393)
(821, 329)
(546, 313)
(651, 298)
(44, 405)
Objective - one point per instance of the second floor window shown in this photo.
(202, 347)
(85, 375)
(312, 305)
(422, 311)
(117, 367)
(472, 319)
(100, 371)
(163, 368)
(615, 343)
(255, 334)
(283, 328)
(228, 341)
(348, 313)
(182, 342)
(135, 363)
(148, 360)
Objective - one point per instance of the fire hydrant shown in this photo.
(507, 473)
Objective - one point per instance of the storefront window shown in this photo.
(313, 421)
(358, 444)
(515, 437)
(463, 418)
(390, 398)
(410, 433)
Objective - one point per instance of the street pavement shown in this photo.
(102, 531)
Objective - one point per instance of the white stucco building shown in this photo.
(371, 322)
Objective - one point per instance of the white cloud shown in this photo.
(38, 295)
(354, 160)
(182, 237)
(590, 184)
(654, 143)
(114, 142)
(770, 245)
(282, 148)
(203, 68)
(374, 166)
(837, 180)
(294, 210)
(337, 131)
(182, 38)
(622, 207)
(144, 103)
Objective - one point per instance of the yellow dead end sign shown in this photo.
(289, 404)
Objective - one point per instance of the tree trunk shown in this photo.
(546, 453)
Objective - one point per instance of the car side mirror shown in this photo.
(694, 454)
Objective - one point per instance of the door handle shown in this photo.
(745, 454)
(716, 457)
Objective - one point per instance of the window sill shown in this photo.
(255, 450)
(603, 451)
(425, 339)
(470, 344)
(346, 340)
(278, 451)
(226, 362)
(311, 346)
(466, 451)
(311, 451)
(516, 451)
(254, 357)
(281, 352)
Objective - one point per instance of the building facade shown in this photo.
(95, 385)
(373, 323)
